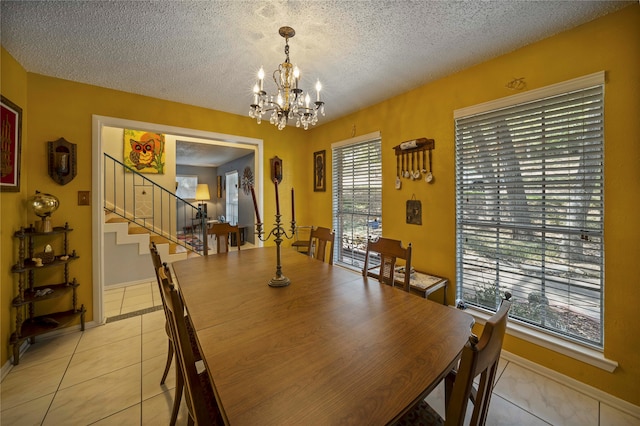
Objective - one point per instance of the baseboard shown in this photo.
(597, 394)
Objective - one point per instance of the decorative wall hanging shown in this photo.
(319, 171)
(62, 161)
(247, 180)
(144, 151)
(516, 84)
(276, 169)
(11, 133)
(414, 211)
(219, 189)
(411, 160)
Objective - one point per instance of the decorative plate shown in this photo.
(247, 180)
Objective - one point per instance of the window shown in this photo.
(529, 206)
(357, 196)
(232, 197)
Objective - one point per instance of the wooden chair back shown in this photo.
(222, 232)
(479, 357)
(155, 257)
(390, 251)
(319, 239)
(203, 408)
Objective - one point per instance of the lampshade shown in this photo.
(202, 192)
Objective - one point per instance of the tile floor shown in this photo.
(109, 375)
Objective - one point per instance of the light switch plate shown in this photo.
(84, 198)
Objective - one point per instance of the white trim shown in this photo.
(573, 350)
(357, 139)
(97, 152)
(544, 92)
(574, 384)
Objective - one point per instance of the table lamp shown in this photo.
(202, 194)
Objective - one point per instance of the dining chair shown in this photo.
(480, 357)
(319, 239)
(201, 402)
(222, 232)
(301, 241)
(157, 266)
(389, 251)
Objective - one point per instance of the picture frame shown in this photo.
(11, 139)
(320, 171)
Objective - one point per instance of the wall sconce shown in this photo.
(62, 161)
(202, 194)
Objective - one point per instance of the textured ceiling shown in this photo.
(206, 53)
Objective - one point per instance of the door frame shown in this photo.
(97, 184)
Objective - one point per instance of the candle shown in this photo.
(293, 207)
(275, 182)
(318, 88)
(255, 204)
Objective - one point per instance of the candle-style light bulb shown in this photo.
(261, 77)
(307, 99)
(296, 76)
(318, 88)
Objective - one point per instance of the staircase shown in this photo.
(140, 211)
(130, 233)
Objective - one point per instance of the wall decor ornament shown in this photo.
(247, 180)
(144, 151)
(319, 171)
(276, 169)
(11, 138)
(414, 211)
(62, 161)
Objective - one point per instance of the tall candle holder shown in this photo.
(279, 280)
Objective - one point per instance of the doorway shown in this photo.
(99, 124)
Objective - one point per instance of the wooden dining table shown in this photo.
(333, 347)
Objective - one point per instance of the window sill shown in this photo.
(576, 351)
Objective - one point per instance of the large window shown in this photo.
(529, 205)
(357, 197)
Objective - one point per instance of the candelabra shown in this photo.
(279, 280)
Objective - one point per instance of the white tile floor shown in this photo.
(110, 375)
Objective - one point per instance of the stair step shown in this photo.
(134, 229)
(116, 220)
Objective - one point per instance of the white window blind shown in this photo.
(529, 206)
(357, 198)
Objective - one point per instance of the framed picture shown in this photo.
(144, 151)
(11, 128)
(319, 171)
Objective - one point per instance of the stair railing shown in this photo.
(131, 195)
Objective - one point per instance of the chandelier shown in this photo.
(290, 101)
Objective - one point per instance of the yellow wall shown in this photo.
(59, 108)
(13, 85)
(611, 43)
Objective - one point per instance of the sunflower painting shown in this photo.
(144, 151)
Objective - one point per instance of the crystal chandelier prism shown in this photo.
(290, 102)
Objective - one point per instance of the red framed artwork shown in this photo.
(11, 133)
